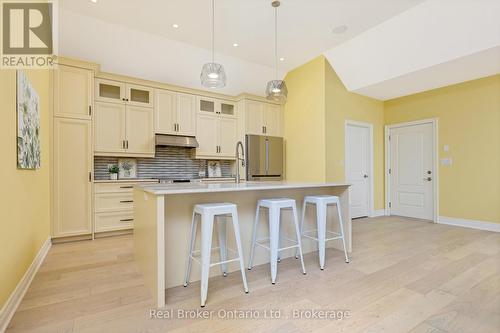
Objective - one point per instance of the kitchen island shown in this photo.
(162, 220)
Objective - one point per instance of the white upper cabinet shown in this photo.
(139, 95)
(139, 130)
(165, 111)
(175, 113)
(74, 92)
(227, 108)
(123, 93)
(123, 130)
(228, 136)
(216, 106)
(206, 135)
(216, 128)
(263, 118)
(109, 128)
(273, 120)
(110, 91)
(254, 117)
(186, 114)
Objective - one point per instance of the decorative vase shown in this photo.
(113, 176)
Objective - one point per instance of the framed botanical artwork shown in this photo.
(127, 168)
(214, 169)
(28, 124)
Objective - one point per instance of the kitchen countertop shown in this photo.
(135, 180)
(182, 188)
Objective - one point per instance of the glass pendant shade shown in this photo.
(276, 91)
(213, 75)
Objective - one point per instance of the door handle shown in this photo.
(428, 179)
(365, 176)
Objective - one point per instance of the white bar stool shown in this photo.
(322, 202)
(274, 207)
(210, 212)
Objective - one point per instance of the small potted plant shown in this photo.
(113, 171)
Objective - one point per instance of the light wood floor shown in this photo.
(405, 276)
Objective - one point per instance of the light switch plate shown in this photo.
(446, 148)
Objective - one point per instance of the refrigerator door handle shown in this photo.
(267, 156)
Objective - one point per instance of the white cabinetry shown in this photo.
(72, 158)
(124, 119)
(175, 113)
(114, 206)
(216, 128)
(263, 118)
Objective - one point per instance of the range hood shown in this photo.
(176, 141)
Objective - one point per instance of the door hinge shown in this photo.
(390, 205)
(389, 138)
(389, 171)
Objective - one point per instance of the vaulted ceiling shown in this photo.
(137, 38)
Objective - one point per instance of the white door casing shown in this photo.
(359, 167)
(412, 172)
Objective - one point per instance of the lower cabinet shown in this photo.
(72, 182)
(114, 206)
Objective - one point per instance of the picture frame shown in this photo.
(214, 169)
(28, 124)
(127, 168)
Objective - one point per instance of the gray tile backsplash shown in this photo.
(170, 162)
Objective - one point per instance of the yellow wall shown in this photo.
(342, 105)
(469, 122)
(24, 194)
(304, 116)
(315, 113)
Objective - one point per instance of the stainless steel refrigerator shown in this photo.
(264, 157)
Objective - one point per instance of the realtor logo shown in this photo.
(27, 34)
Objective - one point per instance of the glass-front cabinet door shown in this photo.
(227, 108)
(139, 95)
(110, 91)
(206, 104)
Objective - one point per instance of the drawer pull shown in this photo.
(126, 187)
(126, 201)
(126, 220)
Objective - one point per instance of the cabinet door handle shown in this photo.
(90, 110)
(126, 144)
(126, 220)
(126, 201)
(127, 186)
(90, 176)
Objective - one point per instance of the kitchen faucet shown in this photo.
(238, 159)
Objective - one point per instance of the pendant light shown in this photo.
(213, 74)
(276, 89)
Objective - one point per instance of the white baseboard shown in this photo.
(474, 224)
(10, 306)
(378, 212)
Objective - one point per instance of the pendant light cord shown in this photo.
(213, 31)
(276, 41)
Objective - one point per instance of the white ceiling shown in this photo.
(391, 47)
(434, 44)
(305, 26)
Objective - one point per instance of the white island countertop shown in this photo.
(184, 188)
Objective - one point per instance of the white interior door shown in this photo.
(412, 171)
(357, 163)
